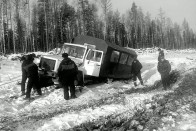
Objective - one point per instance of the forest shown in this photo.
(42, 25)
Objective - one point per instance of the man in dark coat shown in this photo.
(67, 72)
(136, 71)
(33, 77)
(25, 62)
(164, 68)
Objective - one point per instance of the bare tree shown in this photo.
(12, 29)
(162, 26)
(106, 6)
(2, 28)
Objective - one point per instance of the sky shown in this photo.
(177, 10)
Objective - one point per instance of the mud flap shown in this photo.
(79, 81)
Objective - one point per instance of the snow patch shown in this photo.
(69, 120)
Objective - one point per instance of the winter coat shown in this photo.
(67, 70)
(32, 70)
(136, 67)
(26, 60)
(25, 63)
(164, 67)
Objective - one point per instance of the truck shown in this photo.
(94, 57)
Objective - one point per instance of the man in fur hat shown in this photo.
(33, 77)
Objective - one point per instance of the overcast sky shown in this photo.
(177, 10)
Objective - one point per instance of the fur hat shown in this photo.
(64, 55)
(30, 57)
(23, 58)
(33, 55)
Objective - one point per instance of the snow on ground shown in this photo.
(68, 120)
(52, 100)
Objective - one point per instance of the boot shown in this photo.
(39, 92)
(135, 83)
(26, 98)
(29, 99)
(73, 97)
(142, 83)
(66, 98)
(23, 93)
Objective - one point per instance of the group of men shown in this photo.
(163, 68)
(67, 72)
(30, 71)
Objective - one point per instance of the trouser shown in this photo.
(66, 85)
(135, 76)
(165, 80)
(33, 82)
(24, 78)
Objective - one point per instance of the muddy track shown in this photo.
(12, 82)
(160, 112)
(118, 98)
(147, 116)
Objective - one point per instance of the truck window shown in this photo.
(115, 56)
(47, 64)
(94, 56)
(123, 58)
(73, 51)
(130, 60)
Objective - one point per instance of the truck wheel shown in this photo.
(109, 80)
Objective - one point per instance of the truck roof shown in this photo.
(100, 44)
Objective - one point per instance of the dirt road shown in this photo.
(51, 111)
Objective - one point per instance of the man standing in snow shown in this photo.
(136, 71)
(164, 68)
(67, 73)
(25, 62)
(33, 78)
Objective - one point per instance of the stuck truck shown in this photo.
(95, 58)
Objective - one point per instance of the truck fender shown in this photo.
(79, 81)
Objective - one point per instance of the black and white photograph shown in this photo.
(97, 65)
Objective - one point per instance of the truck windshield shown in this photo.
(73, 51)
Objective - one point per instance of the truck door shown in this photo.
(92, 63)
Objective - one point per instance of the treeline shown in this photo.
(28, 25)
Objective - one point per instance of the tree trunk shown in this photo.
(3, 34)
(13, 40)
(29, 28)
(61, 28)
(46, 26)
(8, 36)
